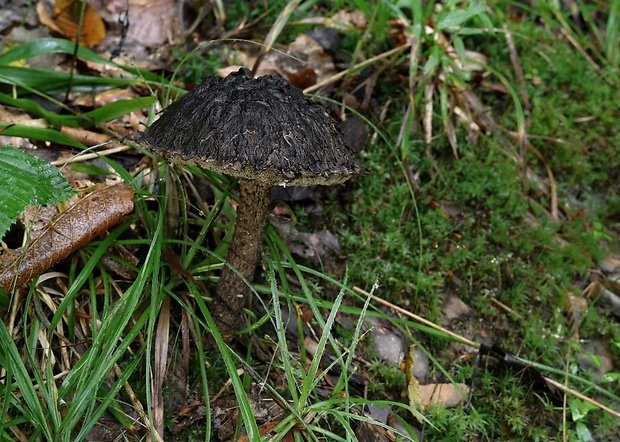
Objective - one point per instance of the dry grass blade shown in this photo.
(275, 30)
(71, 229)
(346, 72)
(428, 112)
(91, 156)
(161, 362)
(553, 211)
(522, 130)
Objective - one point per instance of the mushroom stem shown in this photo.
(232, 292)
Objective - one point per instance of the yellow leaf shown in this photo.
(413, 386)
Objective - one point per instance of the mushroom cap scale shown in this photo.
(260, 129)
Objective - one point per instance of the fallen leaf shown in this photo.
(65, 20)
(266, 428)
(446, 395)
(84, 136)
(345, 19)
(104, 97)
(69, 230)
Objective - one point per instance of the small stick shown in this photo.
(341, 74)
(464, 340)
(416, 317)
(89, 156)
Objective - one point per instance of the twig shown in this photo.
(505, 307)
(416, 317)
(346, 72)
(584, 398)
(464, 340)
(89, 156)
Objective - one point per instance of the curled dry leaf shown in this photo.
(87, 218)
(413, 385)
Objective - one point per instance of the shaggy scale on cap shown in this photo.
(259, 129)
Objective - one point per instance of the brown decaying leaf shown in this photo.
(65, 18)
(71, 229)
(86, 137)
(266, 428)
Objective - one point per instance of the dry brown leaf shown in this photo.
(104, 97)
(304, 64)
(446, 395)
(87, 218)
(64, 19)
(266, 428)
(84, 136)
(344, 19)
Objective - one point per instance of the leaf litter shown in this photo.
(62, 232)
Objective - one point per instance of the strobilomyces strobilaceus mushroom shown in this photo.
(265, 133)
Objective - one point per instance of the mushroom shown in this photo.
(265, 133)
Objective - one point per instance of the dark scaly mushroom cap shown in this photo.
(260, 129)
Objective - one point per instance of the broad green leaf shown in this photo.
(27, 180)
(583, 433)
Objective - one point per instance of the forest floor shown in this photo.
(467, 287)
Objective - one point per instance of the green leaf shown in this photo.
(594, 359)
(457, 17)
(119, 108)
(431, 64)
(39, 134)
(46, 46)
(35, 110)
(583, 433)
(470, 31)
(580, 409)
(104, 113)
(44, 80)
(486, 21)
(459, 47)
(27, 180)
(89, 169)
